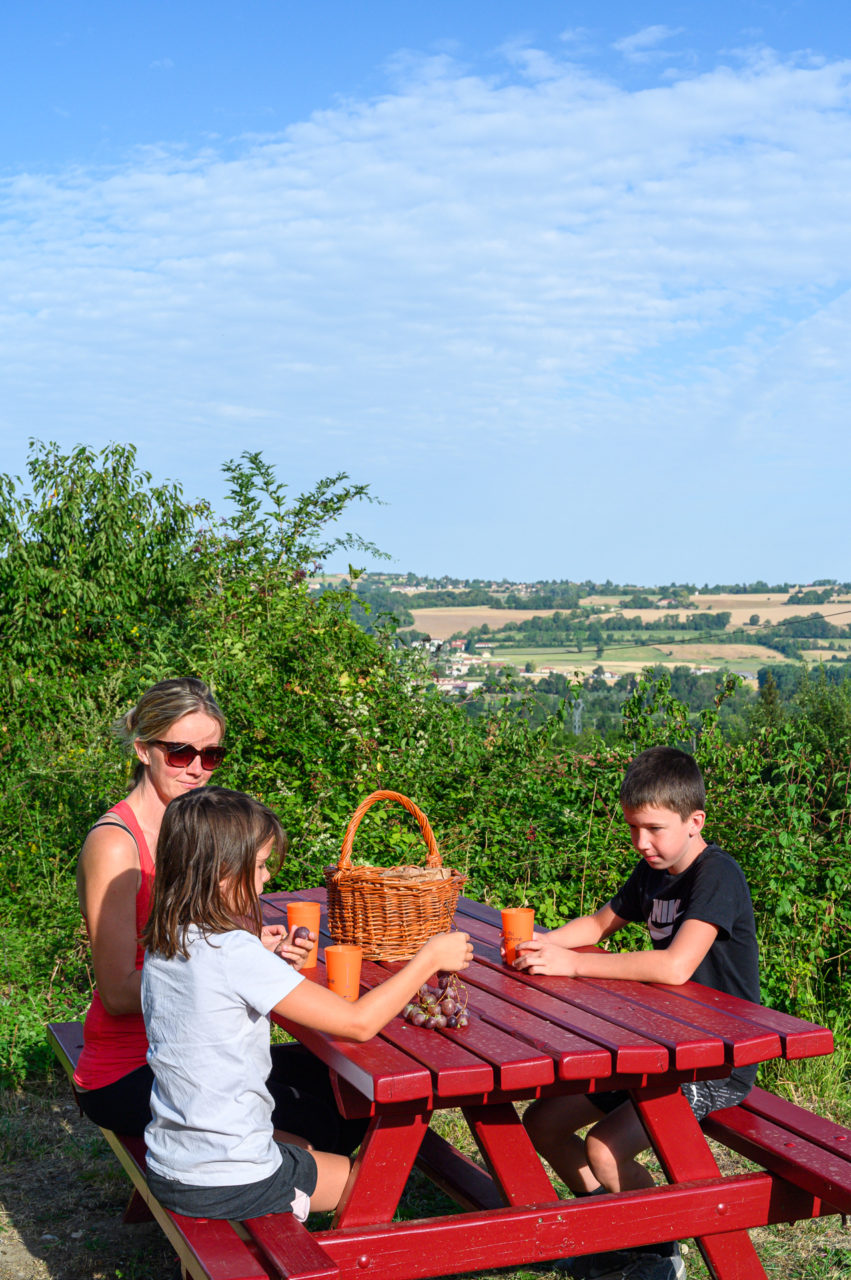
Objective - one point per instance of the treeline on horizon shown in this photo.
(109, 583)
(577, 626)
(447, 588)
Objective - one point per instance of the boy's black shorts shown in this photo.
(702, 1096)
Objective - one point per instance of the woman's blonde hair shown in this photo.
(206, 858)
(159, 707)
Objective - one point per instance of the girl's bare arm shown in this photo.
(320, 1009)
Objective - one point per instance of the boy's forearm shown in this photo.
(640, 966)
(584, 931)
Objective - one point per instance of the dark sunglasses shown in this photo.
(181, 754)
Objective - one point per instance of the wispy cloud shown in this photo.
(539, 263)
(644, 44)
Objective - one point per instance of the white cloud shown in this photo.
(539, 260)
(645, 43)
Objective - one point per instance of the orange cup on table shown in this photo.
(517, 926)
(306, 913)
(343, 964)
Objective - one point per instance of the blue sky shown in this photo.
(566, 284)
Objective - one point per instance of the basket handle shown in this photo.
(433, 858)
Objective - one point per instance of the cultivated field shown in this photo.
(443, 622)
(771, 608)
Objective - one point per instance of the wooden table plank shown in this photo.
(552, 999)
(455, 1070)
(798, 1039)
(740, 1041)
(687, 1046)
(379, 1070)
(575, 1059)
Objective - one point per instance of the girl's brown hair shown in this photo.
(206, 858)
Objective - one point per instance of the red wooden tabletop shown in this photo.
(527, 1037)
(527, 1033)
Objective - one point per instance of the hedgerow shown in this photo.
(108, 583)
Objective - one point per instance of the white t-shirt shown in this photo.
(208, 1035)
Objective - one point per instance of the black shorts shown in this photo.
(702, 1096)
(287, 1190)
(300, 1086)
(305, 1104)
(123, 1106)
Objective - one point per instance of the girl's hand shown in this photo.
(295, 950)
(453, 951)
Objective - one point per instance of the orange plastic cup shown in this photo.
(517, 926)
(306, 913)
(342, 963)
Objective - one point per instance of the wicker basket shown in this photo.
(390, 911)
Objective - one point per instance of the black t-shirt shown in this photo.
(712, 889)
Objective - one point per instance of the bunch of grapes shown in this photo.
(442, 1006)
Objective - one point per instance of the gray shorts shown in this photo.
(287, 1190)
(702, 1096)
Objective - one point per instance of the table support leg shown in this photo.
(684, 1154)
(513, 1161)
(381, 1169)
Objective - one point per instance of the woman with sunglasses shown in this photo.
(175, 730)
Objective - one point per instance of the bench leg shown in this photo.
(137, 1209)
(685, 1155)
(513, 1161)
(381, 1169)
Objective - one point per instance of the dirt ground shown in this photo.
(62, 1196)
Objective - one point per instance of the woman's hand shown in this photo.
(271, 935)
(294, 950)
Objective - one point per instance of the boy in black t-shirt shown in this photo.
(695, 901)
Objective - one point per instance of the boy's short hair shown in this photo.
(666, 778)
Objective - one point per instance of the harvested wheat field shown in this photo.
(442, 623)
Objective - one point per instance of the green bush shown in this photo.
(320, 713)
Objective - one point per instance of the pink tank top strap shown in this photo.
(123, 811)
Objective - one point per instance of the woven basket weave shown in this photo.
(390, 911)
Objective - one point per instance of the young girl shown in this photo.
(208, 986)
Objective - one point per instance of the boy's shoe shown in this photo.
(598, 1266)
(626, 1264)
(652, 1266)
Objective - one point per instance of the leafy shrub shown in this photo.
(320, 713)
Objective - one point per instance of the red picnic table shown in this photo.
(530, 1037)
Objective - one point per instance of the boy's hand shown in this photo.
(541, 956)
(452, 951)
(295, 950)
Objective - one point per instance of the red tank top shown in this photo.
(116, 1044)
